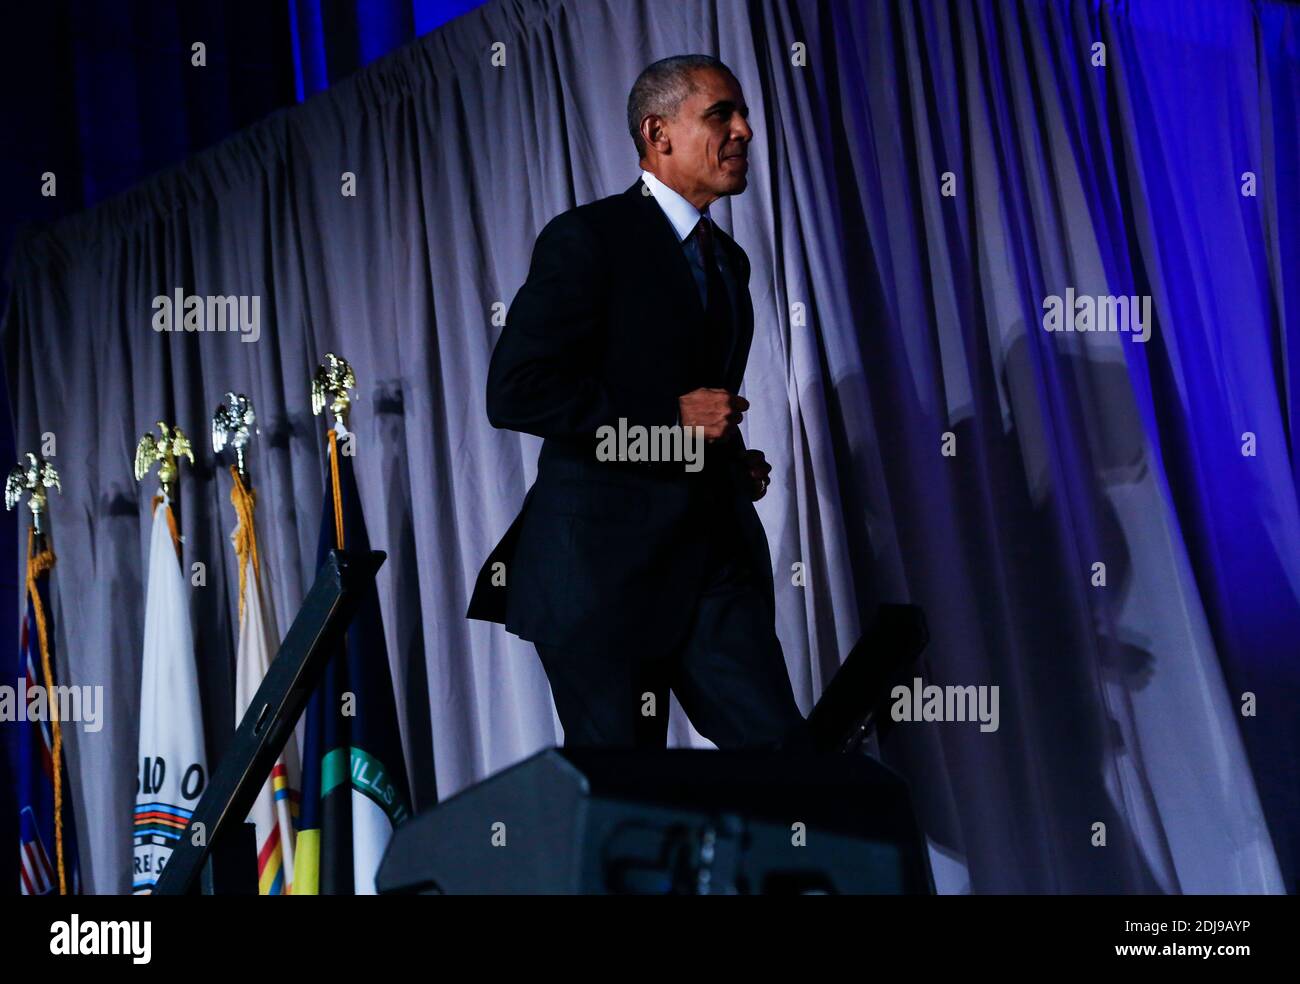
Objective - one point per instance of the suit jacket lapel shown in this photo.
(742, 331)
(668, 261)
(670, 267)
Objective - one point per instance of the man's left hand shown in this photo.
(758, 471)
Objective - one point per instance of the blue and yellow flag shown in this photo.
(47, 833)
(355, 788)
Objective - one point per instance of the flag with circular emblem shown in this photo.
(171, 768)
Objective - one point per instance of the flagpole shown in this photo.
(334, 377)
(355, 789)
(33, 479)
(232, 427)
(171, 753)
(274, 810)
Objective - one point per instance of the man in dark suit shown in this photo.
(631, 576)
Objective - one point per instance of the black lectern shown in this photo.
(316, 633)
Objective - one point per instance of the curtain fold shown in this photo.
(893, 321)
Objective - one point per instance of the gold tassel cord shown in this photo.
(37, 565)
(244, 500)
(338, 495)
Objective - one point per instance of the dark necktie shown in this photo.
(717, 310)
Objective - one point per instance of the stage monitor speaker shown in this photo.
(679, 821)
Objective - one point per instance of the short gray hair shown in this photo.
(660, 89)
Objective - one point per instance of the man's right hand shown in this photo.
(715, 410)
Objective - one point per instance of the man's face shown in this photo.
(710, 140)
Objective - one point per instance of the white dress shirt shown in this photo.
(682, 214)
(684, 217)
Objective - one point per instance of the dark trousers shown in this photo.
(728, 674)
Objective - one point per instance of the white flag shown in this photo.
(275, 811)
(171, 770)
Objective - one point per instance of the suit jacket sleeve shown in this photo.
(545, 376)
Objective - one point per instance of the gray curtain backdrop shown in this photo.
(884, 319)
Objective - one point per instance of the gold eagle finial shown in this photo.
(35, 477)
(333, 379)
(232, 425)
(171, 445)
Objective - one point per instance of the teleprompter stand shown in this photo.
(858, 695)
(317, 633)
